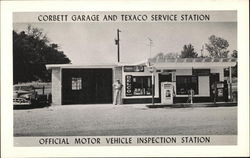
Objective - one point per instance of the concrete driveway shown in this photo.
(111, 120)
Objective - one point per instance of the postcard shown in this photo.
(143, 78)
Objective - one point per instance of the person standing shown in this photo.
(190, 96)
(117, 89)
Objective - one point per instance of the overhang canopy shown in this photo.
(184, 63)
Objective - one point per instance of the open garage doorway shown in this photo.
(86, 86)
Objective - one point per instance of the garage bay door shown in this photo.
(86, 86)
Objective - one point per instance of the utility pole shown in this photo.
(117, 42)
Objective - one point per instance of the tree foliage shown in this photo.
(188, 52)
(31, 52)
(172, 55)
(235, 54)
(217, 47)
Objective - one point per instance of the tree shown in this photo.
(217, 47)
(31, 52)
(235, 54)
(172, 55)
(188, 52)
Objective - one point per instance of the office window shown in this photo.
(138, 85)
(185, 83)
(141, 85)
(76, 83)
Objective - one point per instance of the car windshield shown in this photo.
(23, 88)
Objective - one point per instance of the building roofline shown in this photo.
(100, 65)
(188, 60)
(159, 63)
(94, 65)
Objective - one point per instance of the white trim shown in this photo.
(144, 62)
(196, 95)
(71, 66)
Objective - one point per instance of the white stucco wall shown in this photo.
(182, 72)
(56, 86)
(117, 75)
(204, 87)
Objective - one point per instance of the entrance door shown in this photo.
(164, 78)
(86, 86)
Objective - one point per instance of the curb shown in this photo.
(195, 105)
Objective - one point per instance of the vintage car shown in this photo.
(24, 95)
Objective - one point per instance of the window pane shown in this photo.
(141, 85)
(185, 83)
(76, 83)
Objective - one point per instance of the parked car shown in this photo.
(24, 95)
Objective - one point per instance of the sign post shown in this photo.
(152, 70)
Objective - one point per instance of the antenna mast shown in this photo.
(150, 46)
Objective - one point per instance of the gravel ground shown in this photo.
(110, 120)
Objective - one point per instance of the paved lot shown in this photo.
(107, 120)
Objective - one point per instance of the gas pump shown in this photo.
(220, 91)
(167, 92)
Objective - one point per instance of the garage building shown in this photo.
(92, 84)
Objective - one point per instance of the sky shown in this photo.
(95, 42)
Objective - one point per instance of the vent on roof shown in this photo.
(171, 60)
(160, 60)
(233, 59)
(198, 59)
(217, 60)
(208, 60)
(225, 59)
(189, 60)
(180, 60)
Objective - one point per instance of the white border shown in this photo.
(8, 7)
